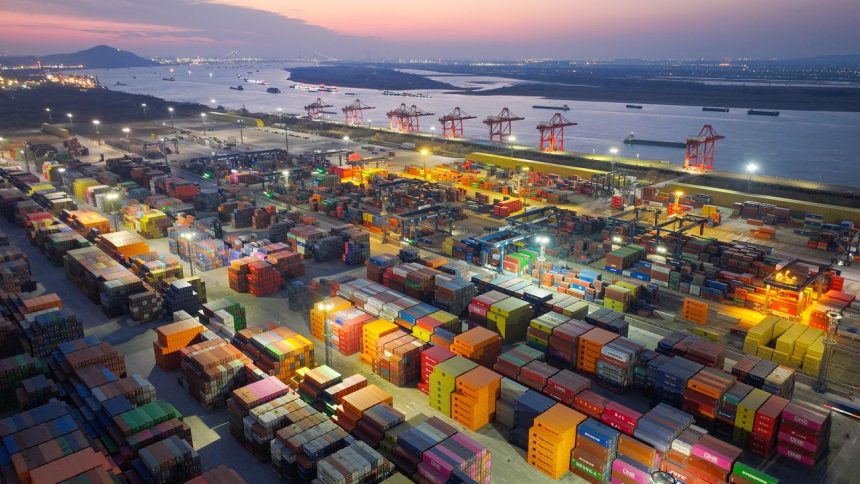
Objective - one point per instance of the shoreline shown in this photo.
(648, 170)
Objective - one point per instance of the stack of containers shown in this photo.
(590, 403)
(146, 306)
(635, 461)
(208, 254)
(511, 362)
(171, 338)
(225, 312)
(473, 403)
(429, 359)
(479, 345)
(565, 385)
(704, 393)
(745, 416)
(596, 448)
(243, 399)
(376, 421)
(564, 343)
(762, 440)
(13, 371)
(443, 381)
(453, 294)
(726, 415)
(480, 306)
(510, 318)
(281, 352)
(218, 475)
(316, 381)
(712, 459)
(348, 329)
(211, 370)
(429, 325)
(672, 377)
(661, 426)
(804, 432)
(527, 408)
(617, 362)
(122, 245)
(181, 296)
(541, 328)
(169, 460)
(357, 462)
(553, 437)
(536, 374)
(400, 359)
(263, 279)
(289, 264)
(590, 345)
(371, 334)
(408, 317)
(458, 458)
(415, 441)
(620, 417)
(377, 264)
(509, 392)
(46, 329)
(354, 405)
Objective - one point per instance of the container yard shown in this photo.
(473, 323)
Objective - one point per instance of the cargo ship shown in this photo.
(633, 106)
(273, 90)
(633, 140)
(563, 107)
(760, 112)
(715, 110)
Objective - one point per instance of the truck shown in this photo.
(407, 146)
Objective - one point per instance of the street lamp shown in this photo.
(522, 193)
(433, 133)
(325, 308)
(170, 110)
(286, 131)
(241, 131)
(71, 121)
(511, 140)
(203, 120)
(424, 154)
(189, 236)
(50, 116)
(98, 123)
(751, 169)
(214, 103)
(346, 142)
(114, 199)
(678, 196)
(126, 131)
(542, 240)
(614, 152)
(143, 108)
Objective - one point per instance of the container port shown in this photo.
(255, 316)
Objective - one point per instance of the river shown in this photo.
(810, 145)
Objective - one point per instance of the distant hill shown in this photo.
(101, 56)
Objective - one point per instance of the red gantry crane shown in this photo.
(354, 113)
(315, 108)
(405, 119)
(500, 126)
(452, 123)
(552, 133)
(700, 149)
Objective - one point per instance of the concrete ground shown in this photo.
(209, 427)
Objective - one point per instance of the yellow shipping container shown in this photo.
(764, 352)
(785, 343)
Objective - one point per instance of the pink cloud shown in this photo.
(65, 30)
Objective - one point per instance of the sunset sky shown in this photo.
(454, 29)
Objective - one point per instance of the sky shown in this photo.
(437, 29)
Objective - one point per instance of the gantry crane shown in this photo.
(405, 119)
(315, 108)
(700, 149)
(354, 113)
(552, 133)
(452, 123)
(500, 126)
